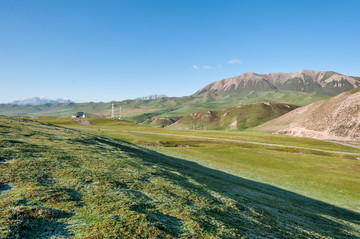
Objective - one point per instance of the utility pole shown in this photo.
(112, 112)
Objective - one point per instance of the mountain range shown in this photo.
(309, 81)
(39, 101)
(234, 118)
(296, 89)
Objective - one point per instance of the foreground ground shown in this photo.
(250, 154)
(58, 182)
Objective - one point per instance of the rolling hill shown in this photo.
(240, 117)
(336, 118)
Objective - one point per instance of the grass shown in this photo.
(245, 116)
(58, 182)
(336, 177)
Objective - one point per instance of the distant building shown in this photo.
(79, 115)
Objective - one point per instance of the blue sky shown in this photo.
(114, 50)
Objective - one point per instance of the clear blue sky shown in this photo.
(113, 50)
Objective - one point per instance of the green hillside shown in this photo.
(63, 183)
(238, 118)
(171, 107)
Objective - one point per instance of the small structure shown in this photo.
(79, 115)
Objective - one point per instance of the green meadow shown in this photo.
(336, 179)
(59, 179)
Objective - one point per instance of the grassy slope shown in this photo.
(334, 182)
(245, 116)
(63, 183)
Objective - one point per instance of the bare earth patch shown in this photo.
(83, 122)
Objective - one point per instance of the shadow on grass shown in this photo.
(167, 223)
(33, 226)
(270, 210)
(4, 187)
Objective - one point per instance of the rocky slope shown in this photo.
(337, 118)
(321, 82)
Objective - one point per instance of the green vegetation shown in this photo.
(140, 111)
(58, 182)
(334, 182)
(238, 118)
(327, 75)
(333, 87)
(303, 85)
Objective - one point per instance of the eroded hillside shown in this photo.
(337, 118)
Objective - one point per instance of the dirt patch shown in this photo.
(234, 123)
(83, 122)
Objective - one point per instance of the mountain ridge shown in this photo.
(39, 100)
(321, 82)
(151, 97)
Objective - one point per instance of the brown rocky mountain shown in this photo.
(311, 81)
(336, 118)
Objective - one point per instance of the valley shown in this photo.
(179, 119)
(204, 166)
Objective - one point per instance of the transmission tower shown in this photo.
(120, 118)
(112, 112)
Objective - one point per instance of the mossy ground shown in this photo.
(58, 182)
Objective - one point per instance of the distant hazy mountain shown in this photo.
(151, 97)
(309, 81)
(40, 101)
